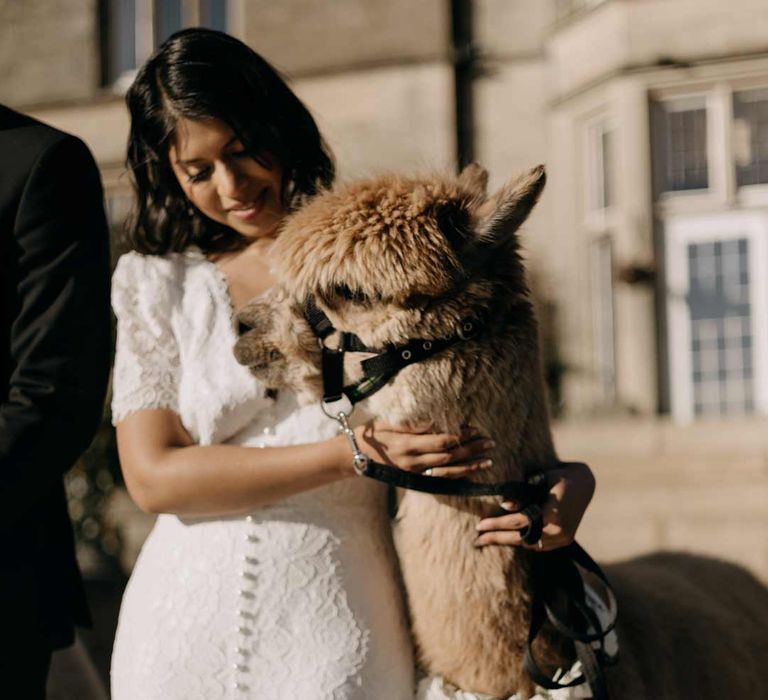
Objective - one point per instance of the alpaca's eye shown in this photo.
(353, 295)
(453, 222)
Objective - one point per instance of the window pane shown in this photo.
(167, 19)
(213, 14)
(602, 300)
(600, 156)
(607, 154)
(121, 38)
(750, 113)
(683, 141)
(721, 334)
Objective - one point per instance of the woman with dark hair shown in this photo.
(270, 571)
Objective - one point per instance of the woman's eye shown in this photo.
(199, 176)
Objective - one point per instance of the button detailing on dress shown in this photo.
(246, 615)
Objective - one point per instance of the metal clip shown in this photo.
(359, 460)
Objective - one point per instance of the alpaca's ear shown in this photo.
(474, 177)
(505, 212)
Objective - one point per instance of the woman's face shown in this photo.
(223, 181)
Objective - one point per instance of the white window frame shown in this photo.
(679, 233)
(748, 195)
(697, 100)
(722, 191)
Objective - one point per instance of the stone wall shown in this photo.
(48, 51)
(306, 36)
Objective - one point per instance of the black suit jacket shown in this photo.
(54, 364)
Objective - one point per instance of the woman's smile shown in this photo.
(249, 210)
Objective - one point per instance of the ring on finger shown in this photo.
(428, 472)
(540, 545)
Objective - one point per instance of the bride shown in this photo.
(270, 572)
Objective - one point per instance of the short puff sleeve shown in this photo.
(146, 369)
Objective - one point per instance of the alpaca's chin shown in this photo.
(306, 397)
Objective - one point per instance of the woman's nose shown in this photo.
(229, 182)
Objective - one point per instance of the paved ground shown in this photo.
(701, 488)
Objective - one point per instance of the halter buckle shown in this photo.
(359, 459)
(341, 406)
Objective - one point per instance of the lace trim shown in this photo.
(147, 361)
(221, 284)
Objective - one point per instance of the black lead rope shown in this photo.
(559, 598)
(559, 595)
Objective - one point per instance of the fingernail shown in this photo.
(478, 543)
(480, 527)
(488, 444)
(486, 463)
(510, 505)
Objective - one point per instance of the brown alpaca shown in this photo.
(395, 258)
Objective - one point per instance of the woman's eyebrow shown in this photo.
(190, 161)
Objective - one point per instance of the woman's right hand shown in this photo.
(417, 449)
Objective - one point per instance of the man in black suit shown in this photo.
(54, 364)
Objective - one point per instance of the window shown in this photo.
(682, 137)
(603, 316)
(721, 335)
(600, 158)
(120, 42)
(167, 19)
(132, 29)
(717, 305)
(213, 14)
(750, 132)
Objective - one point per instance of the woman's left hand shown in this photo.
(572, 485)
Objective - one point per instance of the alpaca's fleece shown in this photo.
(395, 258)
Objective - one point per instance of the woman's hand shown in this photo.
(571, 490)
(419, 450)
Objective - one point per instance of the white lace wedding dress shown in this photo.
(299, 600)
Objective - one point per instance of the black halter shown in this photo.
(558, 591)
(385, 363)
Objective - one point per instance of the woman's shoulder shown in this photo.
(167, 265)
(154, 278)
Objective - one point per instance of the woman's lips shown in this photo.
(251, 210)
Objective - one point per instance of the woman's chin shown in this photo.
(255, 229)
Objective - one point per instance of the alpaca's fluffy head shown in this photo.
(395, 257)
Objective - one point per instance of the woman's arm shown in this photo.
(166, 472)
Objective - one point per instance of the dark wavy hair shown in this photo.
(203, 74)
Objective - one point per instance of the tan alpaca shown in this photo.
(395, 258)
